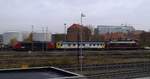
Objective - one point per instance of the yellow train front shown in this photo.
(76, 45)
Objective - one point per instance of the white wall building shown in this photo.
(102, 29)
(41, 37)
(21, 36)
(8, 36)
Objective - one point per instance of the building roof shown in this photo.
(75, 26)
(37, 73)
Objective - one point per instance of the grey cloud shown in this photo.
(54, 13)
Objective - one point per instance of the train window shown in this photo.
(78, 44)
(111, 44)
(97, 44)
(69, 44)
(134, 44)
(74, 44)
(90, 45)
(83, 44)
(59, 44)
(93, 44)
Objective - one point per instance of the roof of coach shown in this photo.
(122, 42)
(80, 42)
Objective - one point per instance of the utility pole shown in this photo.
(81, 39)
(65, 34)
(43, 39)
(65, 31)
(32, 47)
(47, 40)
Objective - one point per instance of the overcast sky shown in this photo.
(19, 15)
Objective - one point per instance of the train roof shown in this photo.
(83, 41)
(122, 42)
(80, 42)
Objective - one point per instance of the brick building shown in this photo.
(109, 36)
(144, 39)
(74, 33)
(115, 36)
(135, 35)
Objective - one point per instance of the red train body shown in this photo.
(34, 46)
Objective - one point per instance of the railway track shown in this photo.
(107, 66)
(73, 53)
(92, 71)
(130, 74)
(114, 71)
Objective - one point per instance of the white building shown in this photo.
(102, 29)
(41, 37)
(8, 36)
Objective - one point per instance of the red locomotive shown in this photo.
(34, 46)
